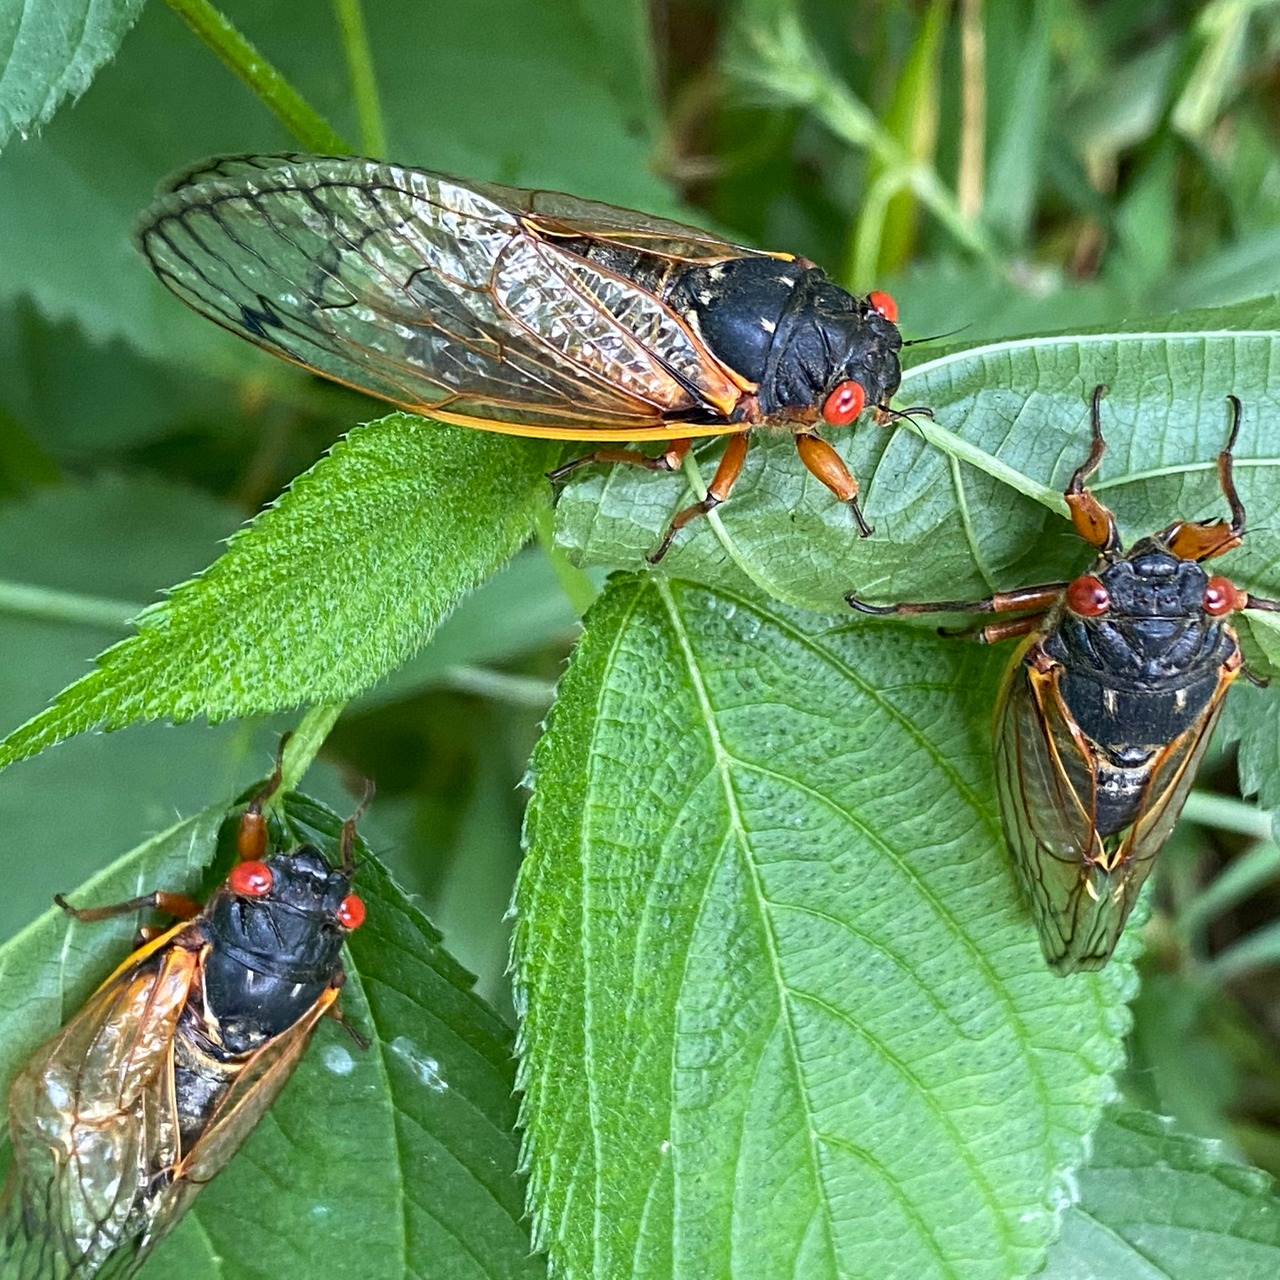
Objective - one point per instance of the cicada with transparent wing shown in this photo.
(121, 1118)
(1107, 707)
(527, 312)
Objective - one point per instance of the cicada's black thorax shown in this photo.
(790, 330)
(1141, 673)
(271, 958)
(781, 325)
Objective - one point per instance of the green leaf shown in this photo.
(395, 1161)
(977, 505)
(783, 1011)
(1155, 1204)
(519, 609)
(50, 50)
(328, 590)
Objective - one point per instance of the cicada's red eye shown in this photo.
(250, 879)
(350, 912)
(884, 304)
(844, 404)
(1088, 597)
(1221, 595)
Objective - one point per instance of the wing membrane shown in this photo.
(92, 1115)
(448, 299)
(1079, 886)
(248, 1099)
(1046, 807)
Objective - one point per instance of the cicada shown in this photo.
(119, 1120)
(527, 312)
(1107, 707)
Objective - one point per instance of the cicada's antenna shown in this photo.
(937, 337)
(348, 843)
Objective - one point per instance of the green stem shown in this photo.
(869, 232)
(784, 62)
(306, 741)
(961, 448)
(501, 686)
(575, 584)
(46, 605)
(302, 120)
(364, 84)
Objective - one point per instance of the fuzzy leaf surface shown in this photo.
(1156, 1204)
(784, 1012)
(328, 590)
(50, 50)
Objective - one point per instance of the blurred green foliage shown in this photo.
(1002, 168)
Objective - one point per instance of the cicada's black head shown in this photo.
(825, 339)
(1151, 582)
(799, 337)
(276, 927)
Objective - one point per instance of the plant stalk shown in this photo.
(278, 95)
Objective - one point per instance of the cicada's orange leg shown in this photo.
(668, 460)
(177, 905)
(994, 632)
(1093, 522)
(1204, 539)
(824, 462)
(251, 837)
(1039, 598)
(718, 490)
(334, 1011)
(348, 840)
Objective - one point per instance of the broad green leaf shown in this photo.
(395, 1161)
(567, 94)
(784, 1014)
(328, 590)
(519, 609)
(50, 50)
(1155, 1204)
(980, 506)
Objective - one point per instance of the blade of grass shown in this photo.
(780, 60)
(1240, 881)
(973, 109)
(1258, 950)
(44, 604)
(364, 83)
(1208, 809)
(912, 119)
(277, 94)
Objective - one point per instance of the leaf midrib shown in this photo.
(739, 832)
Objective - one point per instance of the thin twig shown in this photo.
(277, 94)
(364, 83)
(44, 604)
